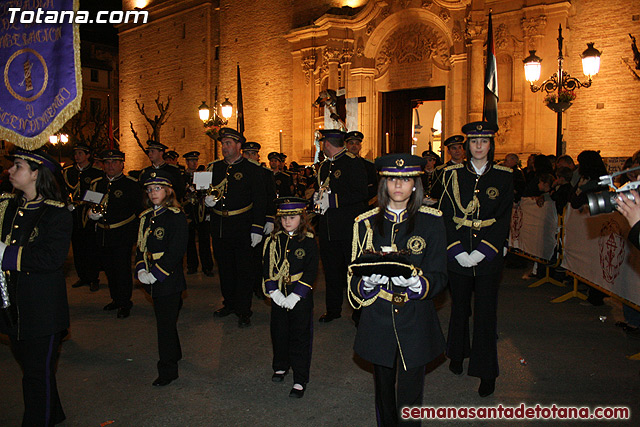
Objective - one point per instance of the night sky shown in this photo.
(100, 33)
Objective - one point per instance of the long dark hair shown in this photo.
(48, 184)
(304, 227)
(414, 203)
(490, 154)
(590, 165)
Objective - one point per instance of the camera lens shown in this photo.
(602, 202)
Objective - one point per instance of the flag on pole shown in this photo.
(240, 108)
(490, 108)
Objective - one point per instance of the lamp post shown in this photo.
(59, 139)
(213, 121)
(561, 81)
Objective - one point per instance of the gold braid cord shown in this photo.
(357, 248)
(473, 205)
(277, 274)
(143, 235)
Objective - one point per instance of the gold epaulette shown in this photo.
(431, 211)
(456, 166)
(130, 177)
(350, 154)
(94, 167)
(55, 203)
(255, 162)
(442, 166)
(6, 196)
(99, 178)
(503, 168)
(145, 212)
(367, 214)
(310, 235)
(174, 209)
(67, 167)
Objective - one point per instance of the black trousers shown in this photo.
(336, 256)
(167, 309)
(202, 231)
(483, 353)
(256, 269)
(117, 266)
(233, 256)
(38, 357)
(292, 337)
(389, 404)
(85, 253)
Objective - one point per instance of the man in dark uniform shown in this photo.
(455, 148)
(284, 182)
(117, 228)
(251, 152)
(155, 152)
(430, 172)
(237, 224)
(199, 221)
(78, 177)
(476, 207)
(341, 196)
(353, 142)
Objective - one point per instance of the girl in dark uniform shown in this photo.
(162, 243)
(290, 268)
(476, 205)
(36, 232)
(399, 328)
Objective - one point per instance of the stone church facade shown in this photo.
(291, 50)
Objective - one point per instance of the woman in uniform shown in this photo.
(476, 205)
(290, 269)
(399, 328)
(36, 233)
(162, 243)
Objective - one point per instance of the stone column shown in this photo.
(476, 32)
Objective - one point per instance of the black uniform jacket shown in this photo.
(348, 199)
(193, 201)
(78, 182)
(178, 180)
(410, 328)
(244, 203)
(38, 234)
(270, 191)
(284, 184)
(372, 180)
(123, 201)
(485, 227)
(302, 260)
(162, 243)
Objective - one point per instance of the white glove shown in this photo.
(277, 297)
(210, 201)
(142, 276)
(151, 278)
(94, 216)
(3, 246)
(255, 239)
(465, 260)
(290, 301)
(405, 283)
(322, 203)
(268, 228)
(477, 256)
(71, 207)
(370, 282)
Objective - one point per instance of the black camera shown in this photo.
(607, 201)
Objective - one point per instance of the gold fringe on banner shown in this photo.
(32, 143)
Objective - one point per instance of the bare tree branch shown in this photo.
(135, 135)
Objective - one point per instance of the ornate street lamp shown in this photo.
(212, 122)
(560, 86)
(59, 139)
(227, 109)
(204, 112)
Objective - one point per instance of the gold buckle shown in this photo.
(398, 299)
(476, 224)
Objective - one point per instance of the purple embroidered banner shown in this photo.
(40, 60)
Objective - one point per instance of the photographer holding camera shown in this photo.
(630, 209)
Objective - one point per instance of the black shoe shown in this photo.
(278, 378)
(328, 317)
(222, 312)
(94, 286)
(192, 270)
(111, 306)
(79, 284)
(487, 387)
(123, 312)
(161, 382)
(455, 366)
(296, 393)
(244, 321)
(209, 273)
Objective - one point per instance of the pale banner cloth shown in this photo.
(596, 248)
(534, 228)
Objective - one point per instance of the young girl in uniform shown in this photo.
(162, 243)
(290, 268)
